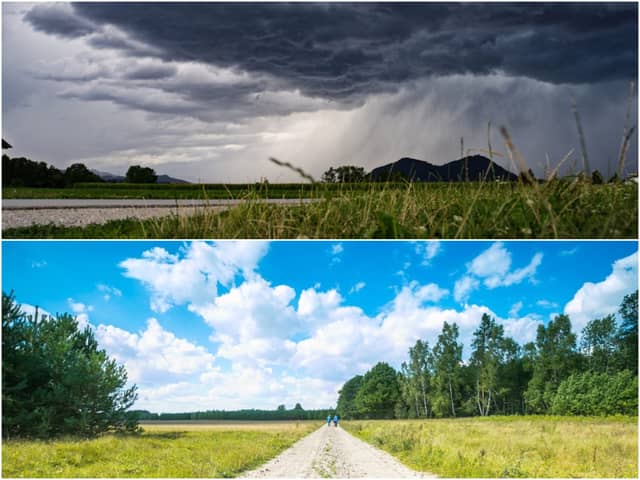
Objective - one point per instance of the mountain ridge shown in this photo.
(472, 167)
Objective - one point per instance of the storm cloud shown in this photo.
(340, 50)
(201, 84)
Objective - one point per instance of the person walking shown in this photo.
(335, 420)
(328, 420)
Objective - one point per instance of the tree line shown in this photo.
(555, 374)
(23, 172)
(281, 413)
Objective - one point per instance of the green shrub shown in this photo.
(597, 394)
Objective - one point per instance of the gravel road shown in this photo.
(331, 452)
(82, 212)
(81, 217)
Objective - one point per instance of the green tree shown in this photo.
(628, 332)
(513, 379)
(78, 172)
(599, 344)
(379, 392)
(344, 174)
(346, 406)
(488, 355)
(447, 360)
(55, 379)
(554, 360)
(329, 176)
(416, 379)
(138, 174)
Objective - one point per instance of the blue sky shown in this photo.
(204, 325)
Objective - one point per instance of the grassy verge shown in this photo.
(558, 209)
(174, 451)
(510, 446)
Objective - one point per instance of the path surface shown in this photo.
(82, 212)
(333, 453)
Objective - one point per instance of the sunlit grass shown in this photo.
(188, 450)
(556, 209)
(510, 446)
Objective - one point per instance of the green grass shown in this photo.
(557, 209)
(182, 451)
(183, 191)
(557, 447)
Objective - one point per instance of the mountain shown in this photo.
(473, 167)
(168, 179)
(110, 177)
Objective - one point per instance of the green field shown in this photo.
(510, 446)
(176, 450)
(557, 209)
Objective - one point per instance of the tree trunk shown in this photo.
(453, 409)
(424, 399)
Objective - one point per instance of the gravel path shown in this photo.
(80, 217)
(82, 212)
(333, 453)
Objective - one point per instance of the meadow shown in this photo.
(568, 208)
(165, 450)
(530, 446)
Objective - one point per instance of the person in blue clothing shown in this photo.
(335, 420)
(328, 420)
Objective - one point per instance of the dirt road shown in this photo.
(331, 452)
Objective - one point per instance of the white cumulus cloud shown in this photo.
(596, 300)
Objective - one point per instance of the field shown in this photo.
(510, 446)
(176, 450)
(556, 209)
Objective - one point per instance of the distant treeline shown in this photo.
(554, 375)
(23, 172)
(297, 413)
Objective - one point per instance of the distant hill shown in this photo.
(473, 167)
(110, 177)
(168, 179)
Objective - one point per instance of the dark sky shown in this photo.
(210, 90)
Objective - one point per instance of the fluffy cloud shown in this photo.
(493, 268)
(194, 276)
(154, 356)
(81, 312)
(253, 309)
(463, 288)
(596, 300)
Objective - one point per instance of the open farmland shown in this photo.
(510, 446)
(174, 450)
(557, 209)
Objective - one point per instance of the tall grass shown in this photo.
(510, 446)
(182, 451)
(554, 209)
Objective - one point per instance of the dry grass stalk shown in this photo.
(583, 145)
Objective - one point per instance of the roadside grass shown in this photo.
(175, 451)
(555, 209)
(498, 447)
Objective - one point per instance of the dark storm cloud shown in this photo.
(60, 20)
(340, 51)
